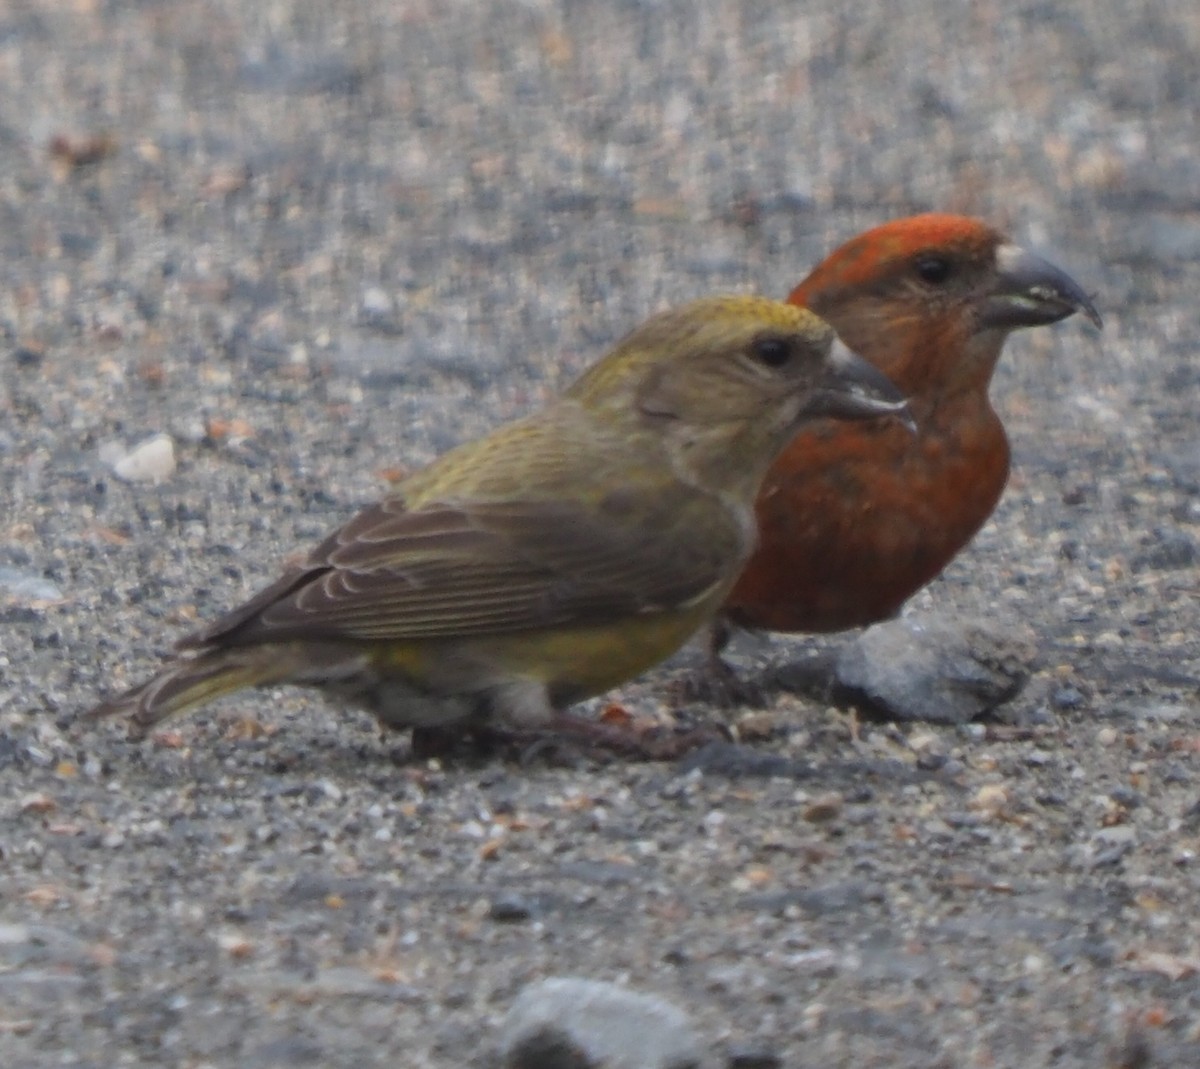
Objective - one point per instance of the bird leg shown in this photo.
(717, 683)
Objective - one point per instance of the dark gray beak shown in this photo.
(854, 389)
(1033, 292)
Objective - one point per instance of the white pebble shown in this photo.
(151, 461)
(376, 302)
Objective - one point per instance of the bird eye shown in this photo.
(933, 269)
(772, 350)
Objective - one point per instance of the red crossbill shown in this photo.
(558, 556)
(855, 519)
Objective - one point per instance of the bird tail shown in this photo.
(192, 681)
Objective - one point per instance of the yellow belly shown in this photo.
(572, 662)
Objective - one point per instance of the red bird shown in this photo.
(855, 518)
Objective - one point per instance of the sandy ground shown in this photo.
(317, 243)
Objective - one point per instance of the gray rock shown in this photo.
(934, 668)
(568, 1023)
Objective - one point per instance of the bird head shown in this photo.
(727, 380)
(930, 299)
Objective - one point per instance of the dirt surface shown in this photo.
(318, 243)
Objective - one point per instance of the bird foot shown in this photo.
(630, 742)
(812, 677)
(578, 735)
(718, 684)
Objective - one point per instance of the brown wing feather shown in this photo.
(484, 568)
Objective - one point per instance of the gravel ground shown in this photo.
(320, 243)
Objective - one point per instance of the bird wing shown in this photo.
(457, 570)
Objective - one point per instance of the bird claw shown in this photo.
(567, 733)
(648, 746)
(594, 738)
(719, 685)
(576, 735)
(812, 677)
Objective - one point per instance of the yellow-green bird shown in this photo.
(555, 558)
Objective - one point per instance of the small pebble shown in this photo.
(151, 461)
(510, 907)
(752, 1057)
(822, 808)
(25, 587)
